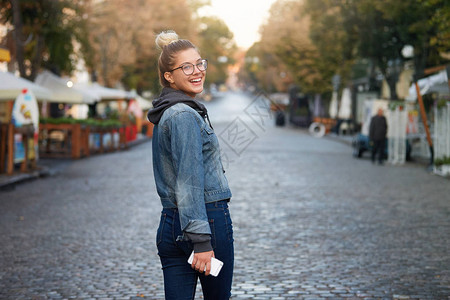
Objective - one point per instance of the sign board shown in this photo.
(25, 112)
(4, 55)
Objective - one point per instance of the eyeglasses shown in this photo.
(188, 68)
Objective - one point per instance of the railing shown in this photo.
(78, 140)
(66, 140)
(7, 133)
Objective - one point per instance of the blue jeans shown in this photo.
(180, 280)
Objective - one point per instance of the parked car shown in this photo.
(361, 143)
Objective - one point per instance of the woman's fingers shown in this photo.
(202, 262)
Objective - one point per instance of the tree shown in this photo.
(123, 37)
(378, 31)
(286, 45)
(422, 24)
(334, 34)
(217, 45)
(44, 33)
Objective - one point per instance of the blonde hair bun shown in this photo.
(165, 38)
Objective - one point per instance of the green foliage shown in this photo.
(442, 161)
(378, 30)
(394, 104)
(87, 122)
(333, 32)
(50, 27)
(216, 42)
(142, 75)
(252, 67)
(443, 103)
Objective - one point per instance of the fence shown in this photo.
(397, 120)
(442, 132)
(8, 133)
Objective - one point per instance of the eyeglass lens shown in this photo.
(188, 68)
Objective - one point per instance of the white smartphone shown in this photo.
(216, 265)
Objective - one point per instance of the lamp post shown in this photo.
(408, 53)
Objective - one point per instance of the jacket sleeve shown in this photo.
(186, 147)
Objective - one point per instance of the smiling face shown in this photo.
(191, 85)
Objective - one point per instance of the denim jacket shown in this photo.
(187, 166)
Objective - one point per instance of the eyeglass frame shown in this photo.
(202, 61)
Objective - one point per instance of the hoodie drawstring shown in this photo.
(209, 121)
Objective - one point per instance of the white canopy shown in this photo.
(437, 83)
(144, 104)
(103, 93)
(12, 86)
(62, 93)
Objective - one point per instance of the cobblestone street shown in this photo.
(310, 222)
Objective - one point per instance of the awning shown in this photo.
(437, 83)
(12, 86)
(103, 93)
(61, 93)
(144, 104)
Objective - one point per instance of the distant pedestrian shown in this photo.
(378, 131)
(189, 178)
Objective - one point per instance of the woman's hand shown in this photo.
(202, 262)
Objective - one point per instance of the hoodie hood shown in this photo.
(170, 97)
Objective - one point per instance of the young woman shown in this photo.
(189, 178)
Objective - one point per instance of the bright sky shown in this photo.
(243, 17)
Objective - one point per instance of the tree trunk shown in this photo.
(17, 21)
(37, 59)
(392, 82)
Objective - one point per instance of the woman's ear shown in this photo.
(168, 77)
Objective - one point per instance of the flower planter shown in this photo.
(442, 170)
(63, 140)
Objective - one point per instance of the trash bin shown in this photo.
(280, 118)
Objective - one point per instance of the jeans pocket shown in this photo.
(229, 225)
(159, 233)
(213, 233)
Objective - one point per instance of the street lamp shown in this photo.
(408, 51)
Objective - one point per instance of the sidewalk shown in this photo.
(48, 167)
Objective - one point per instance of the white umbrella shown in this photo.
(61, 92)
(345, 110)
(12, 86)
(334, 105)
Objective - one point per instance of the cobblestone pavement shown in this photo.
(310, 222)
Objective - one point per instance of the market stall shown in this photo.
(19, 121)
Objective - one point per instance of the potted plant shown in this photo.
(442, 166)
